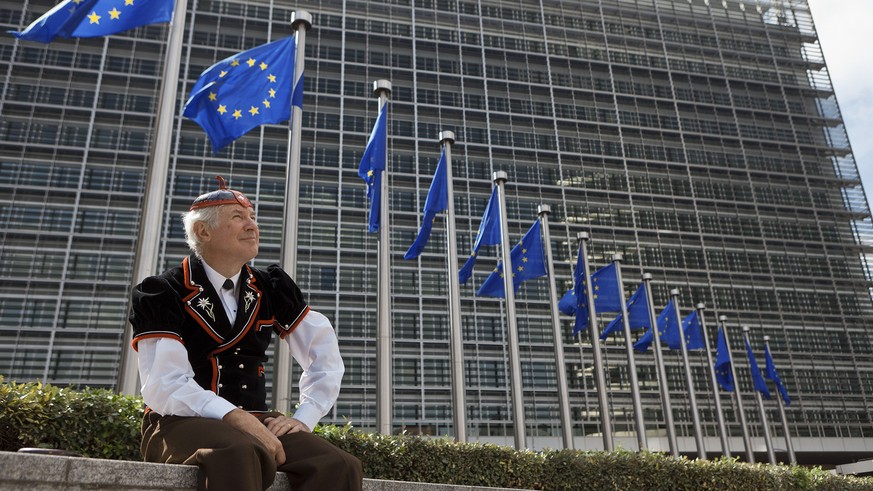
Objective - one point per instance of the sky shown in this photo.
(845, 32)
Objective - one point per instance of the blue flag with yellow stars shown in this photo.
(489, 234)
(567, 303)
(607, 297)
(95, 18)
(528, 262)
(723, 374)
(244, 91)
(693, 332)
(773, 375)
(668, 330)
(757, 378)
(437, 200)
(373, 164)
(637, 314)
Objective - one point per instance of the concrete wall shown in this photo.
(32, 472)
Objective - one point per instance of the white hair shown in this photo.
(208, 215)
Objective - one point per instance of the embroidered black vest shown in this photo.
(227, 359)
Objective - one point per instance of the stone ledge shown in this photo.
(34, 472)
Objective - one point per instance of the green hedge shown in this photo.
(99, 423)
(93, 422)
(446, 461)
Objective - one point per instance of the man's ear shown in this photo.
(202, 231)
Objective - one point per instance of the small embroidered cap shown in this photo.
(222, 196)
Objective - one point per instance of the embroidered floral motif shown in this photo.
(206, 305)
(249, 298)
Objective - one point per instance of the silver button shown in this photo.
(220, 385)
(244, 386)
(241, 366)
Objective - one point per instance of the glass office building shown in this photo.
(700, 138)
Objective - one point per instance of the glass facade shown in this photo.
(699, 138)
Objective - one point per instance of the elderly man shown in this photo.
(201, 331)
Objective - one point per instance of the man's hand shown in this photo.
(244, 421)
(281, 425)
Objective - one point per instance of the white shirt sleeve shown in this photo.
(168, 385)
(315, 347)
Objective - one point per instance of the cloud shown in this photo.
(846, 39)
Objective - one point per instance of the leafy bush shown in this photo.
(409, 458)
(99, 423)
(93, 422)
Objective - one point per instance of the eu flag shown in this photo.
(95, 18)
(244, 91)
(668, 330)
(773, 375)
(373, 164)
(528, 262)
(757, 378)
(437, 200)
(489, 234)
(693, 332)
(605, 289)
(637, 314)
(723, 374)
(567, 303)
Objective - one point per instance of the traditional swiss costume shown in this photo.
(191, 346)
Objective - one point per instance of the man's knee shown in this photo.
(237, 464)
(313, 459)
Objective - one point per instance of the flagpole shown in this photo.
(594, 335)
(499, 179)
(301, 22)
(561, 367)
(382, 89)
(692, 397)
(459, 396)
(788, 444)
(642, 439)
(722, 429)
(747, 441)
(771, 455)
(662, 372)
(148, 243)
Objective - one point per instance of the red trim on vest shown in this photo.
(162, 334)
(296, 323)
(186, 271)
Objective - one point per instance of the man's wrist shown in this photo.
(217, 408)
(308, 415)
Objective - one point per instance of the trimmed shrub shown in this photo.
(409, 458)
(101, 424)
(93, 422)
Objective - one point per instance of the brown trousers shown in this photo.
(231, 460)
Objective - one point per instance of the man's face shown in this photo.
(235, 238)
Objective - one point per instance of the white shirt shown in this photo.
(228, 297)
(168, 385)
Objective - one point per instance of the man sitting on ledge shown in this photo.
(201, 331)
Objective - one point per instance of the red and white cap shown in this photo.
(222, 196)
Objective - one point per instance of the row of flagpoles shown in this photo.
(601, 292)
(269, 80)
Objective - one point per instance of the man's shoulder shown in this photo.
(273, 276)
(269, 271)
(173, 278)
